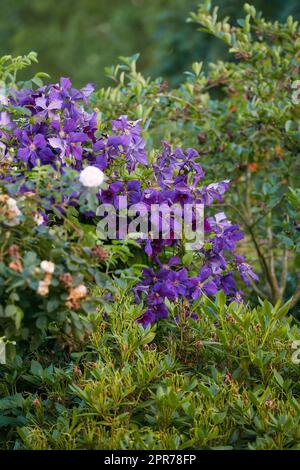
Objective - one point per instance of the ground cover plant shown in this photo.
(135, 341)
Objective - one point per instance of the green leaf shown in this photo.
(279, 378)
(42, 323)
(36, 368)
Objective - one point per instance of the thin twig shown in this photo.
(272, 260)
(284, 271)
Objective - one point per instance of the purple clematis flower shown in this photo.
(68, 143)
(200, 284)
(245, 269)
(110, 195)
(214, 191)
(33, 148)
(47, 107)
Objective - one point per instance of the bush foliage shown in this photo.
(226, 381)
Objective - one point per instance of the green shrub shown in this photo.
(46, 272)
(228, 380)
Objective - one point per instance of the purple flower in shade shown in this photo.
(133, 191)
(154, 247)
(164, 174)
(182, 194)
(153, 314)
(231, 236)
(160, 310)
(165, 166)
(161, 291)
(166, 267)
(166, 283)
(207, 226)
(33, 148)
(151, 196)
(109, 297)
(226, 283)
(226, 234)
(26, 98)
(148, 318)
(99, 149)
(237, 296)
(150, 276)
(245, 270)
(89, 125)
(110, 195)
(179, 280)
(200, 284)
(136, 152)
(216, 262)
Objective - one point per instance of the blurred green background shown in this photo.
(78, 38)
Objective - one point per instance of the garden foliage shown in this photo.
(89, 363)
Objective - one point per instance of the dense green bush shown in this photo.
(229, 380)
(45, 272)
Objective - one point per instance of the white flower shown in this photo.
(91, 177)
(80, 291)
(43, 288)
(12, 212)
(48, 266)
(12, 205)
(39, 219)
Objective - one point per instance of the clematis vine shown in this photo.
(60, 129)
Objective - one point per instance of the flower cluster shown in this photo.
(9, 211)
(176, 180)
(47, 268)
(58, 130)
(175, 283)
(15, 259)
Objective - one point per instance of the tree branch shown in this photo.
(284, 271)
(296, 296)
